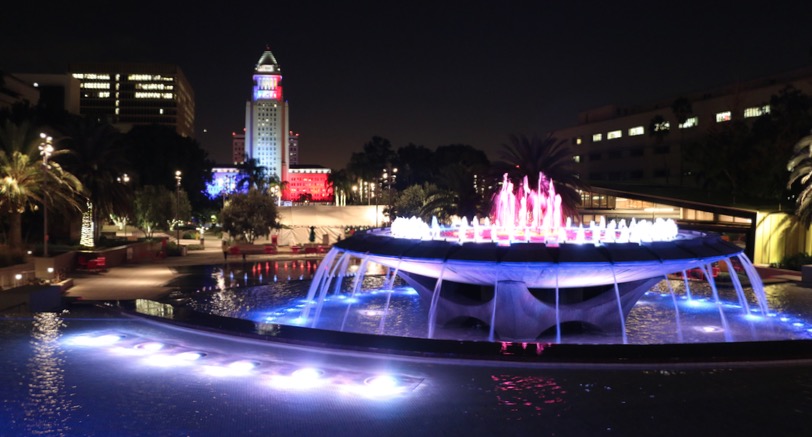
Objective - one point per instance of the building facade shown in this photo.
(266, 119)
(237, 147)
(293, 148)
(308, 184)
(614, 144)
(131, 94)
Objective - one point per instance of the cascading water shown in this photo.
(498, 270)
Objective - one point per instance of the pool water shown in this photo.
(659, 317)
(93, 372)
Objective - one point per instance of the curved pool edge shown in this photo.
(759, 353)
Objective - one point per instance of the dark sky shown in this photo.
(429, 73)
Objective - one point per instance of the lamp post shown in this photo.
(177, 206)
(46, 148)
(124, 179)
(390, 174)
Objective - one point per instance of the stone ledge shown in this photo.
(36, 298)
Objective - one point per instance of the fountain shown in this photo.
(528, 271)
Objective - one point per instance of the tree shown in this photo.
(249, 215)
(800, 167)
(682, 109)
(341, 181)
(369, 163)
(252, 175)
(658, 129)
(156, 152)
(97, 156)
(409, 202)
(415, 165)
(524, 156)
(454, 194)
(154, 205)
(25, 183)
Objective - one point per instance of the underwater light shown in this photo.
(101, 340)
(709, 329)
(190, 356)
(380, 386)
(301, 379)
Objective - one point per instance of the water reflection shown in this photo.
(49, 407)
(525, 395)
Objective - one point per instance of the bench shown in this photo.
(94, 265)
(250, 249)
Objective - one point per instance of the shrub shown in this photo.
(794, 262)
(10, 257)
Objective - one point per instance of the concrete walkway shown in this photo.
(148, 280)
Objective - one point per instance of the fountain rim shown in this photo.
(545, 354)
(689, 245)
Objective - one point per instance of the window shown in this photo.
(662, 126)
(638, 130)
(596, 137)
(576, 158)
(615, 154)
(689, 122)
(594, 156)
(614, 134)
(637, 151)
(578, 140)
(756, 111)
(722, 116)
(661, 150)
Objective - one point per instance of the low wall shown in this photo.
(8, 275)
(35, 298)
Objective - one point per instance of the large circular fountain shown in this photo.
(527, 270)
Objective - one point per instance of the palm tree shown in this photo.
(25, 182)
(524, 156)
(97, 156)
(341, 181)
(682, 109)
(800, 167)
(252, 176)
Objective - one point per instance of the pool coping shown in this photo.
(507, 352)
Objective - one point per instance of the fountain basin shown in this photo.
(523, 290)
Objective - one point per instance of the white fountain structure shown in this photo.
(527, 270)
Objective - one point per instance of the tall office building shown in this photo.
(237, 148)
(293, 149)
(266, 119)
(130, 94)
(616, 145)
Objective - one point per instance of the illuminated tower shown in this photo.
(266, 119)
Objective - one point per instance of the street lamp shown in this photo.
(390, 175)
(46, 148)
(124, 179)
(177, 206)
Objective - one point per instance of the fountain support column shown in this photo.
(521, 315)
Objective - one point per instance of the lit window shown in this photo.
(662, 126)
(756, 111)
(576, 158)
(96, 85)
(614, 134)
(722, 116)
(689, 122)
(636, 131)
(578, 140)
(596, 137)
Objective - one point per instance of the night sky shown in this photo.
(429, 73)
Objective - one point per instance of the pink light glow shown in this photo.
(537, 209)
(534, 216)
